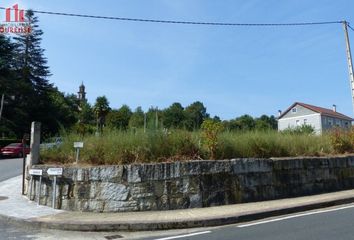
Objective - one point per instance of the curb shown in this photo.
(165, 225)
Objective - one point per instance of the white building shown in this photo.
(321, 119)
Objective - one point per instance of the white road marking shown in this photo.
(294, 216)
(182, 236)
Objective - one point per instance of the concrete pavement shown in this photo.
(17, 209)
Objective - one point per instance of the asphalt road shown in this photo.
(323, 224)
(10, 168)
(337, 224)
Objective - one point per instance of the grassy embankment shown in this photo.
(125, 147)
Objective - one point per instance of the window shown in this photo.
(294, 110)
(330, 122)
(305, 121)
(337, 122)
(297, 122)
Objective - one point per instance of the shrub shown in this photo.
(342, 141)
(127, 147)
(211, 130)
(303, 129)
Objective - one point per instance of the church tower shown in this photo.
(81, 94)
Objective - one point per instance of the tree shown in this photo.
(174, 116)
(66, 106)
(6, 62)
(9, 87)
(36, 91)
(86, 114)
(137, 118)
(101, 109)
(266, 123)
(119, 118)
(195, 115)
(242, 123)
(211, 130)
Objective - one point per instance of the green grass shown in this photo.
(126, 147)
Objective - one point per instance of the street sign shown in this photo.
(36, 172)
(78, 144)
(55, 171)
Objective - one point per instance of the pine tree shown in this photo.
(33, 74)
(6, 86)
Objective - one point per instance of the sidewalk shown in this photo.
(17, 209)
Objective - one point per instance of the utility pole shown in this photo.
(349, 58)
(1, 104)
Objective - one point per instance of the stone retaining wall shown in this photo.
(192, 184)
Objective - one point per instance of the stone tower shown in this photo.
(81, 94)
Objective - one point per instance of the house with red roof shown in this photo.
(321, 119)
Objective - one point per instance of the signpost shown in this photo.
(25, 138)
(54, 172)
(36, 172)
(77, 146)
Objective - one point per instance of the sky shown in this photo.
(232, 70)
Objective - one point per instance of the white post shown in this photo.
(33, 157)
(35, 142)
(39, 190)
(77, 155)
(54, 191)
(349, 58)
(30, 188)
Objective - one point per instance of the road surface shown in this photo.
(10, 168)
(336, 223)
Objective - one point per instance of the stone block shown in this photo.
(338, 162)
(82, 190)
(95, 205)
(81, 175)
(190, 168)
(195, 201)
(350, 161)
(133, 173)
(216, 166)
(288, 164)
(106, 173)
(107, 191)
(246, 165)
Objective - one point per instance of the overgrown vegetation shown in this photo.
(134, 146)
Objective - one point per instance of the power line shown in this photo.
(350, 27)
(185, 22)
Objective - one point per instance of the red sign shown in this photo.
(15, 22)
(19, 14)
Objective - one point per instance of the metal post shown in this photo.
(30, 187)
(349, 58)
(2, 105)
(77, 155)
(23, 164)
(39, 190)
(54, 191)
